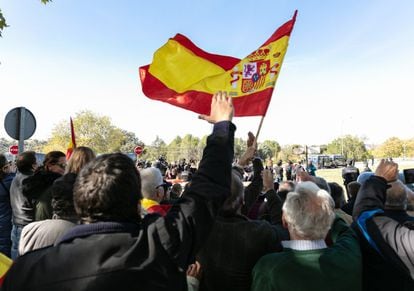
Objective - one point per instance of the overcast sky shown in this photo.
(348, 69)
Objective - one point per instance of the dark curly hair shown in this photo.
(108, 189)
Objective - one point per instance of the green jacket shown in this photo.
(338, 267)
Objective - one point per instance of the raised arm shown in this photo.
(371, 196)
(370, 203)
(189, 221)
(274, 203)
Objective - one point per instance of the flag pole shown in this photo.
(260, 127)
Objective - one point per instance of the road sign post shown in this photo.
(20, 124)
(14, 149)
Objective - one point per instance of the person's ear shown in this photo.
(284, 223)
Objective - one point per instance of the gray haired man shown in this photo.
(306, 263)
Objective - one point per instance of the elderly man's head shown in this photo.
(397, 198)
(152, 184)
(234, 202)
(308, 212)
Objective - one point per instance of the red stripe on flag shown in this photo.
(284, 30)
(72, 144)
(226, 62)
(199, 102)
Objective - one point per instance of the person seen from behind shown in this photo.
(113, 248)
(44, 233)
(22, 207)
(38, 187)
(6, 178)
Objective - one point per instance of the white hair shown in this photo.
(396, 197)
(309, 211)
(151, 178)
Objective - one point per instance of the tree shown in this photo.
(409, 148)
(392, 147)
(35, 145)
(269, 149)
(291, 153)
(129, 142)
(352, 147)
(91, 130)
(4, 145)
(200, 147)
(240, 147)
(3, 23)
(29, 145)
(157, 148)
(173, 149)
(189, 147)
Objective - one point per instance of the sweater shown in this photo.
(338, 267)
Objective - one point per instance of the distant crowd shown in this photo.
(107, 223)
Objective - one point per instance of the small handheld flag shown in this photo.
(72, 143)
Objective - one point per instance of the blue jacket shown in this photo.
(5, 215)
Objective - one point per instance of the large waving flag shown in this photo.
(72, 143)
(186, 76)
(5, 264)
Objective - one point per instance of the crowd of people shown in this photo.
(105, 223)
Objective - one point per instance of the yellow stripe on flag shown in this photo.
(5, 264)
(181, 70)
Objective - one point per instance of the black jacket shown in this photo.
(152, 254)
(387, 245)
(37, 188)
(22, 207)
(62, 197)
(234, 246)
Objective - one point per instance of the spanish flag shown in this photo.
(184, 75)
(72, 143)
(5, 264)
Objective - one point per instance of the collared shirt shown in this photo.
(304, 245)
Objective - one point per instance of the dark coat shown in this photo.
(62, 197)
(38, 188)
(152, 254)
(386, 244)
(22, 207)
(234, 246)
(5, 215)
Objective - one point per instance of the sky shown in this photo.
(348, 68)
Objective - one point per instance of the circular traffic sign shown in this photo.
(14, 149)
(12, 123)
(138, 150)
